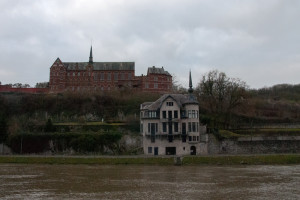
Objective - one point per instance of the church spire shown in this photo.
(190, 84)
(91, 56)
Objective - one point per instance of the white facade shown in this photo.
(170, 126)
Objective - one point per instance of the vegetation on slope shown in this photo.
(225, 103)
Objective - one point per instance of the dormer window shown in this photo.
(169, 103)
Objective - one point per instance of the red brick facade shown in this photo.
(106, 76)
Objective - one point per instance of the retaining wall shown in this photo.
(255, 145)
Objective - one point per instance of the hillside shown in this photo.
(274, 106)
(25, 112)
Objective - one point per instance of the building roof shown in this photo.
(100, 65)
(97, 65)
(154, 70)
(180, 99)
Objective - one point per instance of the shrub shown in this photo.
(3, 128)
(82, 143)
(49, 126)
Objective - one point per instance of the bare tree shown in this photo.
(175, 84)
(20, 85)
(17, 85)
(26, 85)
(221, 95)
(42, 85)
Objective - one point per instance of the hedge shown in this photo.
(58, 142)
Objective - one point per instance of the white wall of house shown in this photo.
(160, 144)
(181, 148)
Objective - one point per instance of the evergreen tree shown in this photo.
(3, 128)
(49, 126)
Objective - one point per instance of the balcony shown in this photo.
(170, 119)
(175, 133)
(147, 117)
(163, 133)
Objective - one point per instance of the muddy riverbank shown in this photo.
(269, 159)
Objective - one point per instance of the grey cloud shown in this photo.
(256, 41)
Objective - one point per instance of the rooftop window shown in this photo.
(169, 103)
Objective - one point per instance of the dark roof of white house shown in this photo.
(180, 99)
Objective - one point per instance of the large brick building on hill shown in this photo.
(106, 76)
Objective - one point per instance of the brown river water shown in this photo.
(148, 182)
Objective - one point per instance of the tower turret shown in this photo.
(91, 56)
(190, 90)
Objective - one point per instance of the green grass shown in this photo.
(229, 134)
(86, 160)
(271, 132)
(189, 160)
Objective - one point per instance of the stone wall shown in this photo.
(270, 126)
(131, 144)
(257, 145)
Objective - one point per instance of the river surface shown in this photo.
(18, 181)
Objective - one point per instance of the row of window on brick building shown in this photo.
(191, 114)
(98, 76)
(155, 85)
(74, 83)
(81, 88)
(102, 76)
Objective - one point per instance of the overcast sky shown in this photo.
(257, 41)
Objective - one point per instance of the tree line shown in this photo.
(26, 85)
(227, 102)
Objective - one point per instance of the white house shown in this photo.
(170, 125)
